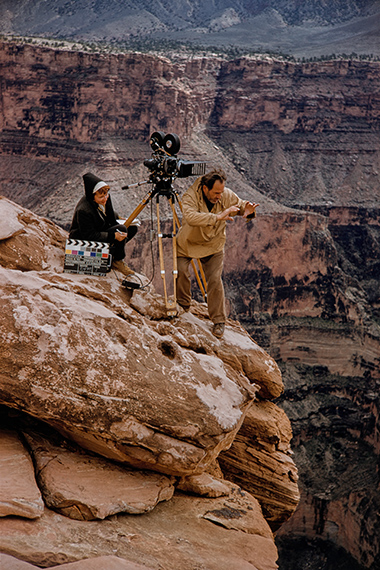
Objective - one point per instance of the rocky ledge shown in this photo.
(112, 410)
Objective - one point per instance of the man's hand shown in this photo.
(250, 209)
(227, 214)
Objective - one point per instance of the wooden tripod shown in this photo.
(164, 188)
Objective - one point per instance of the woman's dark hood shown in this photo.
(92, 184)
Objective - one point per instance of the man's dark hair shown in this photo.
(211, 177)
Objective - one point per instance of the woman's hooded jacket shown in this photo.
(89, 222)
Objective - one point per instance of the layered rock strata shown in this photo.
(303, 133)
(312, 300)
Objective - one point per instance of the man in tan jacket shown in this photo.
(207, 206)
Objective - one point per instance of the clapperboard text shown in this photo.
(87, 257)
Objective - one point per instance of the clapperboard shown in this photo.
(87, 257)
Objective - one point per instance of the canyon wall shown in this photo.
(304, 134)
(302, 139)
(57, 95)
(308, 295)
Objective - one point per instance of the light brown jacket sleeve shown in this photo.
(193, 214)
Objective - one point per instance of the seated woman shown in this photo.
(94, 219)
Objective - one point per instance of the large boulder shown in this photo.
(88, 487)
(166, 396)
(126, 412)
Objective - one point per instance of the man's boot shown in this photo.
(218, 330)
(122, 267)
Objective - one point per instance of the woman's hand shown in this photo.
(119, 236)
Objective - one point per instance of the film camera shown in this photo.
(164, 163)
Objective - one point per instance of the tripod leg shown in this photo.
(138, 209)
(203, 276)
(175, 268)
(171, 305)
(201, 280)
(160, 250)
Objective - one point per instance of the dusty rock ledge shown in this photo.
(163, 398)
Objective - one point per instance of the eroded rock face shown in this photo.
(78, 356)
(260, 453)
(19, 494)
(85, 487)
(158, 86)
(303, 296)
(114, 375)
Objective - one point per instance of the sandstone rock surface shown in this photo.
(79, 357)
(260, 453)
(115, 376)
(99, 563)
(224, 533)
(19, 493)
(84, 487)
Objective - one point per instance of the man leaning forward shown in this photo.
(207, 206)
